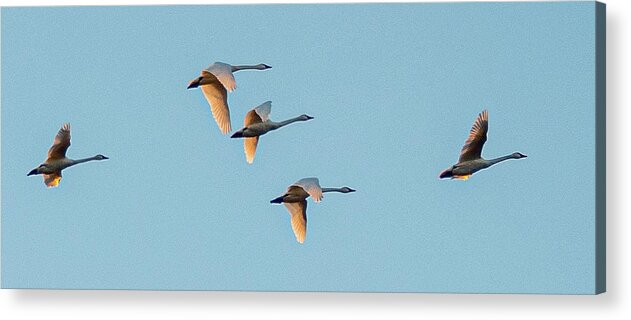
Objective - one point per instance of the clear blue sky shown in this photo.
(394, 90)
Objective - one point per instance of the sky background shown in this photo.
(394, 90)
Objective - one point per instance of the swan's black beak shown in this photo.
(105, 158)
(351, 190)
(238, 134)
(267, 67)
(309, 117)
(33, 172)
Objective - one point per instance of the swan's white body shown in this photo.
(258, 123)
(215, 82)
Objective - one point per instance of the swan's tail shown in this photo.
(194, 83)
(277, 200)
(446, 174)
(238, 134)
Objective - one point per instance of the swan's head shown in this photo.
(346, 190)
(194, 83)
(263, 66)
(100, 157)
(519, 155)
(305, 117)
(448, 173)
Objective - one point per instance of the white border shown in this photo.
(154, 2)
(615, 304)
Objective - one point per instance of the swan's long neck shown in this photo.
(500, 159)
(246, 67)
(77, 161)
(289, 121)
(332, 190)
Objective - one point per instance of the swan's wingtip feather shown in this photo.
(225, 129)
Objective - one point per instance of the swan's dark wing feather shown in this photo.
(472, 148)
(60, 144)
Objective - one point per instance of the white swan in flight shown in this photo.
(214, 81)
(471, 159)
(258, 123)
(295, 199)
(57, 160)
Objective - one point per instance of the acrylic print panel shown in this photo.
(394, 90)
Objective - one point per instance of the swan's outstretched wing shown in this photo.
(472, 148)
(253, 116)
(298, 212)
(264, 110)
(223, 72)
(52, 180)
(249, 146)
(312, 187)
(217, 97)
(60, 144)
